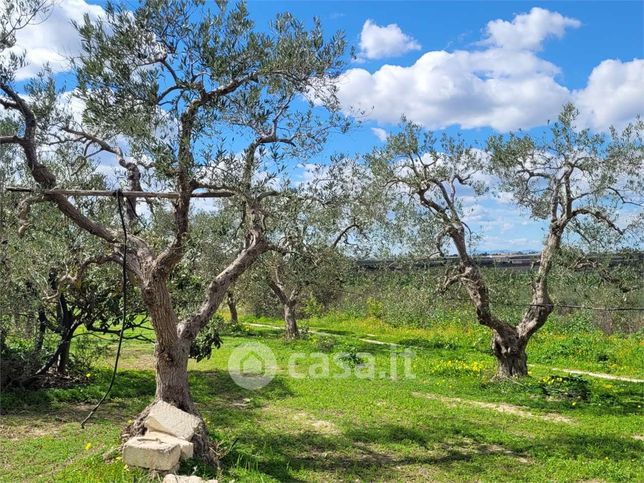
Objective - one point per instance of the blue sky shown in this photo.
(610, 29)
(480, 67)
(597, 31)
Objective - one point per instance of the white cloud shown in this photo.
(502, 227)
(53, 39)
(380, 133)
(472, 89)
(613, 95)
(527, 31)
(377, 42)
(502, 83)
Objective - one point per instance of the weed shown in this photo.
(571, 388)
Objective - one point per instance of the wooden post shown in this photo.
(134, 194)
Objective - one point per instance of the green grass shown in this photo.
(560, 343)
(451, 422)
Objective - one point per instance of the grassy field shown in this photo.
(450, 422)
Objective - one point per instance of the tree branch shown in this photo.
(598, 215)
(343, 233)
(45, 178)
(217, 289)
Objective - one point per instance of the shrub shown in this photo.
(208, 337)
(375, 308)
(352, 357)
(571, 388)
(312, 307)
(324, 343)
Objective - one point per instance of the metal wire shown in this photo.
(508, 304)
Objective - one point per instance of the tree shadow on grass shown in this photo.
(333, 332)
(433, 343)
(229, 406)
(615, 449)
(621, 399)
(382, 452)
(214, 392)
(128, 385)
(366, 453)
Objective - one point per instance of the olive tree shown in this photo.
(570, 176)
(578, 182)
(41, 305)
(296, 272)
(186, 97)
(326, 219)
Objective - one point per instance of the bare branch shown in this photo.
(342, 234)
(598, 215)
(45, 178)
(11, 140)
(75, 279)
(24, 209)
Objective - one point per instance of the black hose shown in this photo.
(119, 197)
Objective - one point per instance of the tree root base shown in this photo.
(205, 450)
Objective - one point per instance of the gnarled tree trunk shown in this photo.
(292, 331)
(508, 342)
(171, 370)
(509, 349)
(174, 337)
(232, 307)
(171, 353)
(288, 303)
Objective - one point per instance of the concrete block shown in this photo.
(165, 418)
(151, 453)
(187, 448)
(186, 479)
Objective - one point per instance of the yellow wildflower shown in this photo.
(88, 446)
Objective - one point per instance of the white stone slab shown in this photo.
(186, 479)
(187, 448)
(151, 453)
(165, 418)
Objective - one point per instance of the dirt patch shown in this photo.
(499, 407)
(138, 359)
(300, 421)
(18, 431)
(599, 375)
(478, 448)
(35, 424)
